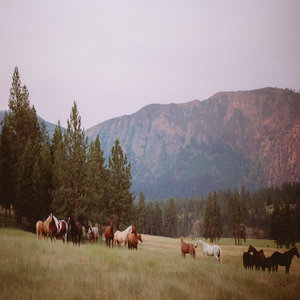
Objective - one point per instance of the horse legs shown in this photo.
(182, 255)
(287, 268)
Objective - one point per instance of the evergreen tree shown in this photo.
(70, 170)
(25, 129)
(158, 219)
(7, 168)
(62, 185)
(217, 218)
(141, 213)
(56, 139)
(170, 219)
(149, 226)
(282, 226)
(97, 182)
(234, 215)
(121, 199)
(208, 222)
(212, 224)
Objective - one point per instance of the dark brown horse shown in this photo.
(109, 234)
(76, 230)
(259, 259)
(283, 259)
(57, 228)
(248, 260)
(187, 248)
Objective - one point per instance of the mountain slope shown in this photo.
(248, 138)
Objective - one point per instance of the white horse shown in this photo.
(209, 250)
(122, 236)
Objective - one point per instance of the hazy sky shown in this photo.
(114, 57)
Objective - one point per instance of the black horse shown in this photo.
(76, 230)
(283, 259)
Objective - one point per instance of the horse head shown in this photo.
(140, 238)
(133, 230)
(198, 242)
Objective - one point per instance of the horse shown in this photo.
(93, 234)
(57, 227)
(209, 250)
(122, 236)
(134, 238)
(248, 260)
(284, 259)
(187, 248)
(259, 259)
(76, 230)
(42, 228)
(109, 234)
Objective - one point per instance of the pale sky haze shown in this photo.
(114, 57)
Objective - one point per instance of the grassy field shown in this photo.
(32, 269)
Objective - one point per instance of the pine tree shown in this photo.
(121, 198)
(7, 168)
(97, 182)
(217, 218)
(141, 213)
(234, 215)
(170, 219)
(25, 128)
(62, 185)
(70, 171)
(208, 222)
(149, 228)
(158, 219)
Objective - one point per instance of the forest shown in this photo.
(68, 175)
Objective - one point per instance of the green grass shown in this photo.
(32, 269)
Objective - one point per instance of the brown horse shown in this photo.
(42, 228)
(187, 248)
(259, 259)
(57, 228)
(134, 238)
(109, 234)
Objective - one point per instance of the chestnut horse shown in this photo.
(109, 234)
(134, 238)
(187, 248)
(259, 259)
(42, 228)
(57, 228)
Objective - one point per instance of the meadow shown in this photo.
(41, 269)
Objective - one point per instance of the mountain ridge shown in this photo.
(229, 140)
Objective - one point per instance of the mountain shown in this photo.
(249, 138)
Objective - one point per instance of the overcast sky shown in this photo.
(114, 57)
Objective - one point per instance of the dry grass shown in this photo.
(31, 269)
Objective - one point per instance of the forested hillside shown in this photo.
(231, 140)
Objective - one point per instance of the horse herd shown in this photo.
(54, 228)
(257, 259)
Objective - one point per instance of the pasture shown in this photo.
(32, 269)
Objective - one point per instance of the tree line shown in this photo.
(64, 174)
(68, 175)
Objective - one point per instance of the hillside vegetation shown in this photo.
(32, 269)
(233, 139)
